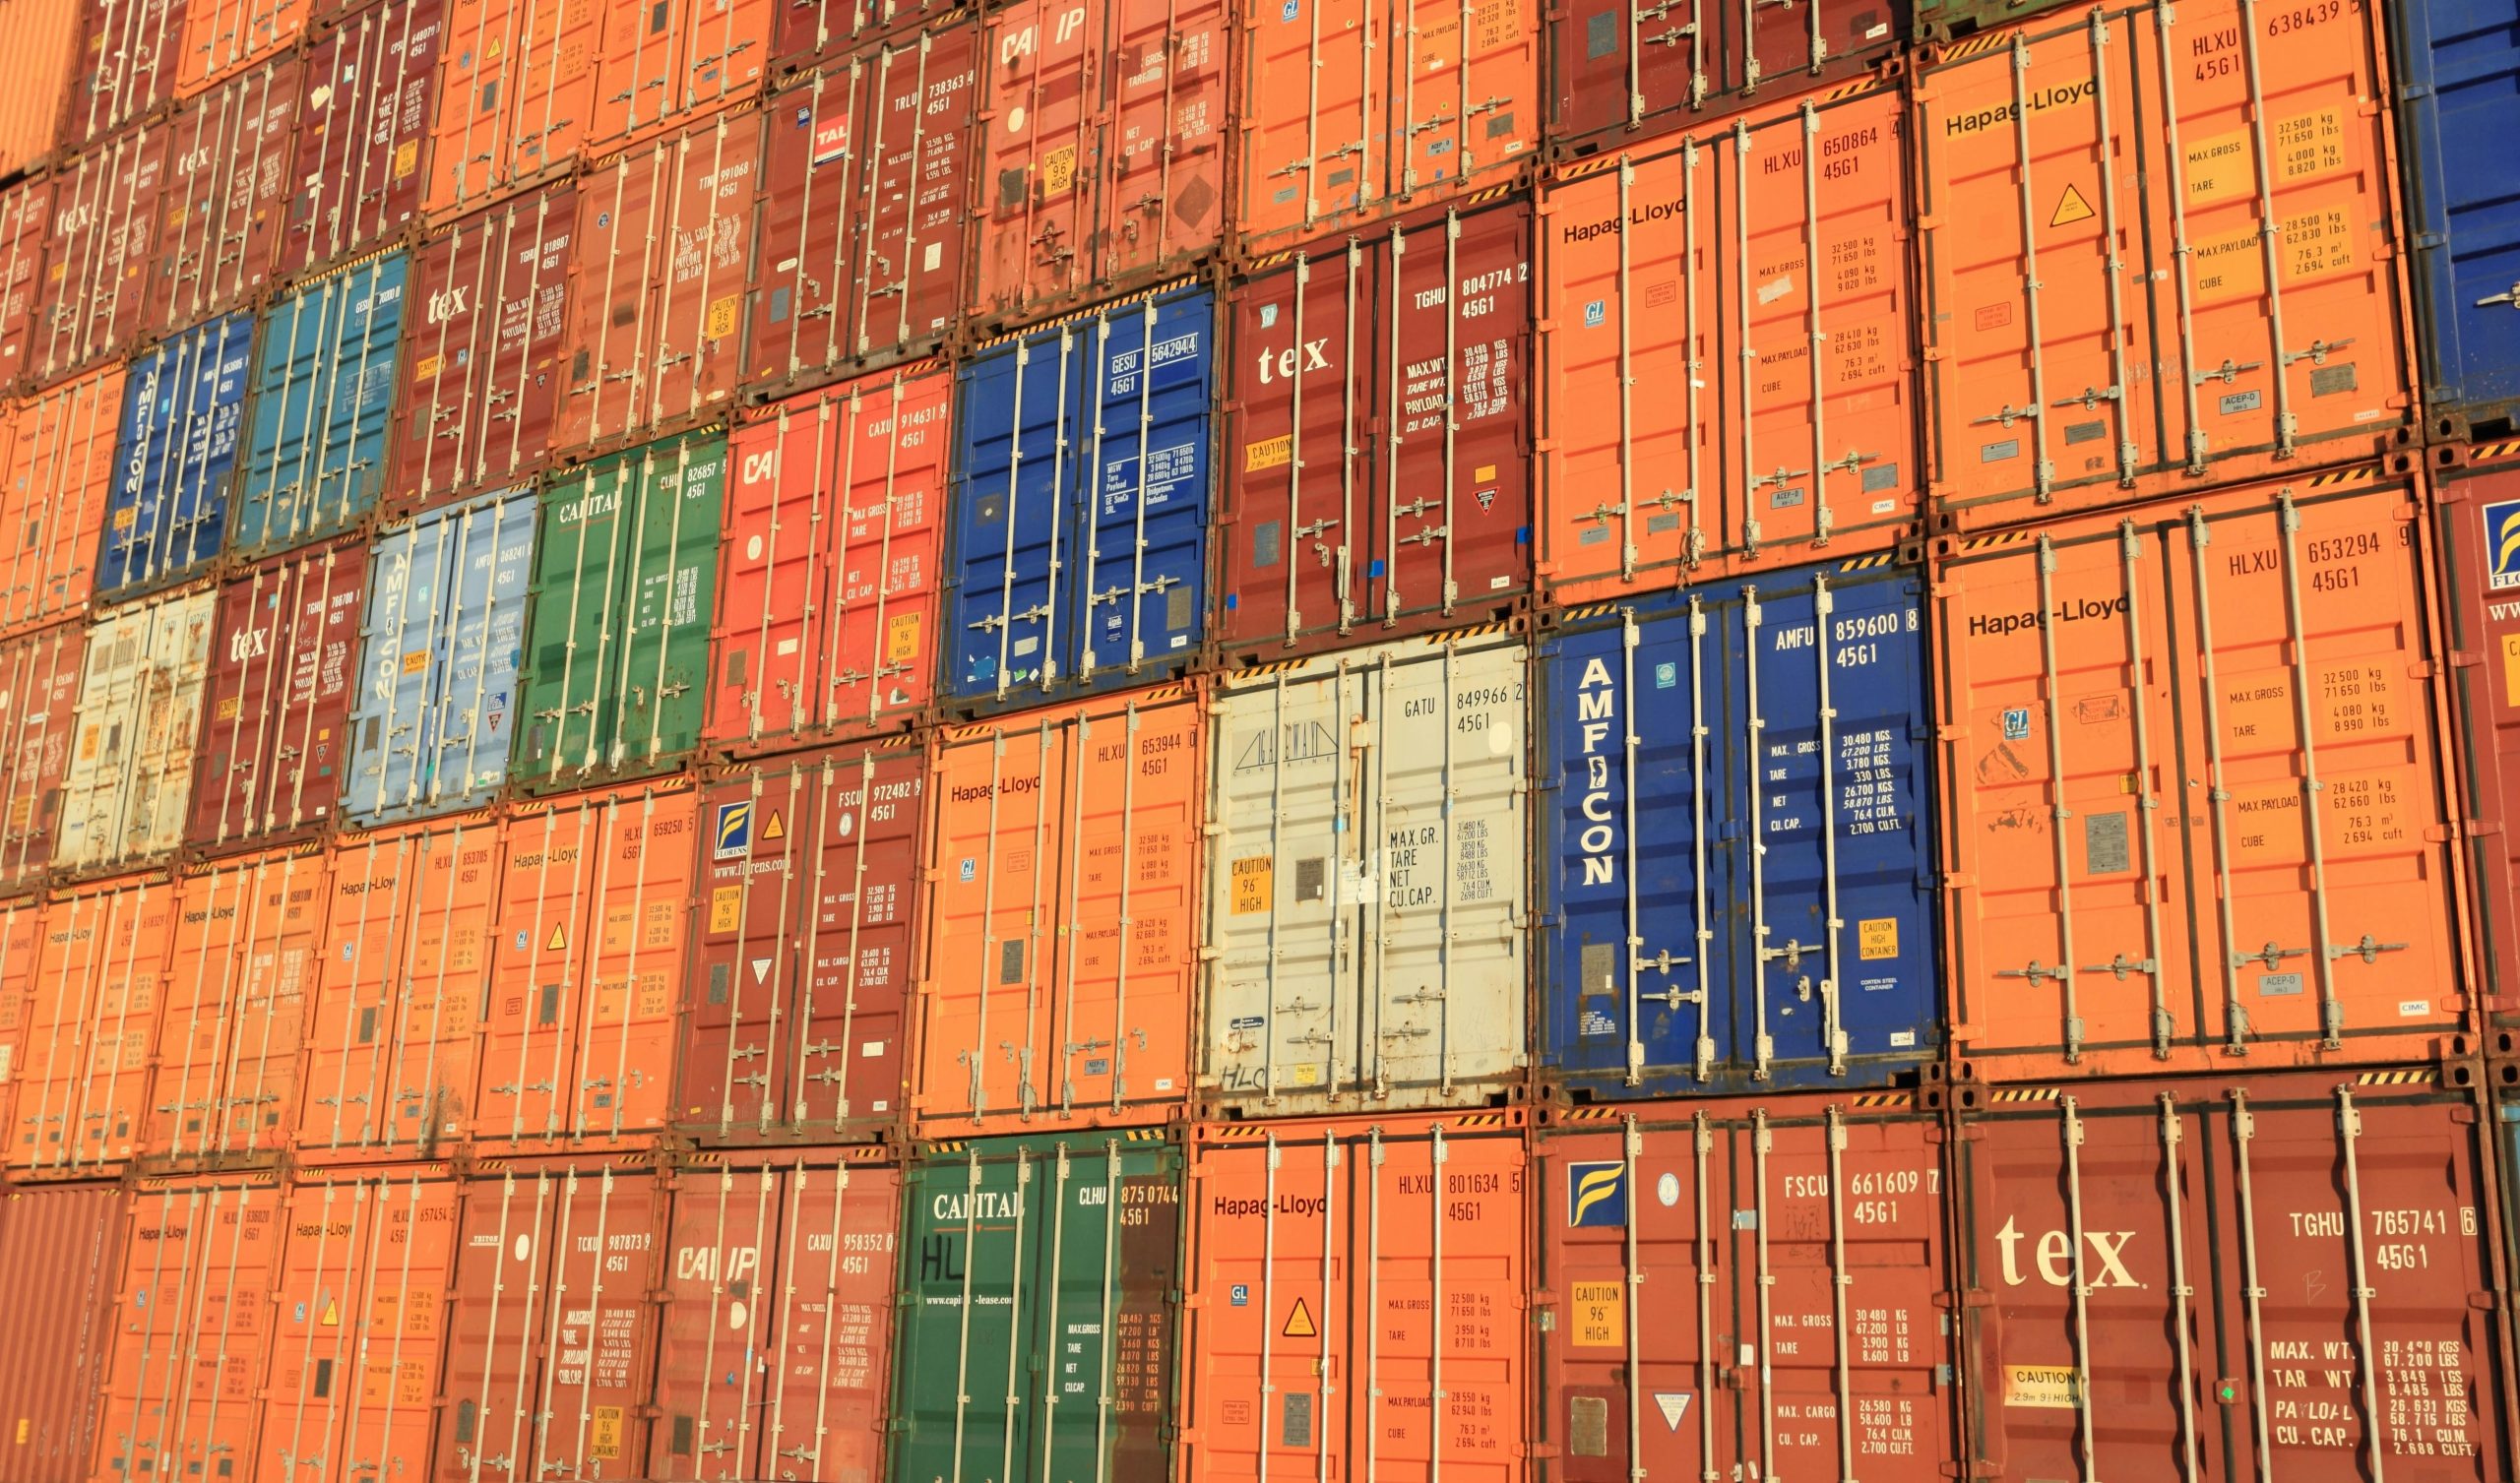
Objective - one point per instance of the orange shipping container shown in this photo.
(1710, 403)
(515, 91)
(392, 1053)
(60, 463)
(21, 944)
(223, 37)
(91, 1028)
(2194, 804)
(2107, 197)
(60, 1261)
(667, 64)
(248, 931)
(1062, 916)
(42, 39)
(1358, 1305)
(1355, 109)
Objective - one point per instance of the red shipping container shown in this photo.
(60, 444)
(797, 1009)
(1380, 399)
(224, 212)
(1692, 426)
(654, 333)
(391, 1058)
(774, 1356)
(223, 37)
(670, 63)
(551, 1324)
(806, 31)
(26, 209)
(90, 1028)
(827, 575)
(2476, 494)
(358, 170)
(248, 934)
(97, 282)
(130, 51)
(1359, 1300)
(1747, 1288)
(1355, 109)
(60, 1261)
(585, 983)
(39, 695)
(2294, 1277)
(1617, 67)
(515, 91)
(1103, 151)
(865, 186)
(274, 737)
(483, 387)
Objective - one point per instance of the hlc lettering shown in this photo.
(941, 1259)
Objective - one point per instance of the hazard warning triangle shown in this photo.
(1298, 1322)
(777, 827)
(332, 1314)
(761, 970)
(559, 942)
(1672, 1404)
(2070, 207)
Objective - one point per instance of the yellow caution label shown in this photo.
(1483, 473)
(606, 1440)
(559, 942)
(2511, 669)
(25, 1429)
(2070, 207)
(228, 707)
(1299, 1322)
(332, 1318)
(2049, 1387)
(725, 907)
(415, 661)
(722, 317)
(406, 158)
(124, 520)
(1058, 170)
(1252, 880)
(1878, 937)
(1268, 453)
(777, 829)
(426, 367)
(1598, 1315)
(900, 638)
(2219, 167)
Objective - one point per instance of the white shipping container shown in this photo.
(1367, 881)
(131, 764)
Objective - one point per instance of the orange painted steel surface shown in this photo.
(2099, 325)
(223, 37)
(224, 211)
(666, 66)
(516, 93)
(43, 42)
(828, 567)
(60, 444)
(239, 999)
(2194, 794)
(359, 163)
(38, 694)
(105, 223)
(274, 743)
(21, 940)
(91, 1028)
(1051, 830)
(1359, 1300)
(1709, 403)
(60, 1259)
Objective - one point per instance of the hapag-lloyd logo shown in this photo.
(2067, 610)
(2055, 96)
(1639, 214)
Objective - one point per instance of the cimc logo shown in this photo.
(2502, 545)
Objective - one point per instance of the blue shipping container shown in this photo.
(1737, 878)
(2458, 76)
(432, 721)
(323, 406)
(1080, 494)
(182, 407)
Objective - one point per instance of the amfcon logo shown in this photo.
(2502, 545)
(734, 831)
(1597, 1195)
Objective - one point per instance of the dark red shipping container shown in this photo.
(26, 221)
(60, 1259)
(796, 1009)
(129, 57)
(483, 387)
(363, 130)
(1380, 435)
(806, 31)
(225, 205)
(2476, 494)
(2291, 1276)
(1618, 68)
(104, 210)
(865, 186)
(38, 694)
(275, 735)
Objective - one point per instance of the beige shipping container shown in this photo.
(131, 760)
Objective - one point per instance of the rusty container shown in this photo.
(1618, 69)
(60, 442)
(795, 1015)
(90, 1029)
(515, 97)
(103, 213)
(1379, 434)
(827, 562)
(124, 796)
(2161, 255)
(60, 1261)
(2477, 495)
(2196, 810)
(224, 210)
(276, 711)
(38, 700)
(1708, 405)
(359, 166)
(1359, 1294)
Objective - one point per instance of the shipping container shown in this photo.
(39, 677)
(1389, 785)
(25, 208)
(2455, 64)
(21, 944)
(1775, 1310)
(355, 178)
(586, 982)
(226, 205)
(1693, 425)
(668, 65)
(223, 37)
(315, 457)
(1621, 68)
(360, 1310)
(103, 213)
(1084, 485)
(2221, 831)
(2476, 494)
(2169, 240)
(516, 93)
(1739, 891)
(127, 67)
(249, 933)
(795, 1015)
(827, 564)
(477, 404)
(654, 333)
(61, 1258)
(1359, 1301)
(1061, 917)
(391, 1059)
(1104, 143)
(867, 179)
(127, 792)
(774, 1356)
(551, 1324)
(60, 442)
(1396, 370)
(807, 31)
(1351, 110)
(42, 39)
(1039, 1307)
(166, 512)
(193, 1324)
(90, 1027)
(275, 740)
(616, 659)
(444, 634)
(2257, 1277)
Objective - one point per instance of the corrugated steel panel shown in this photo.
(131, 763)
(444, 636)
(240, 989)
(43, 42)
(96, 998)
(1616, 67)
(96, 260)
(806, 31)
(356, 176)
(60, 467)
(21, 944)
(223, 37)
(315, 457)
(25, 213)
(516, 93)
(60, 1259)
(667, 64)
(2456, 104)
(167, 514)
(40, 678)
(224, 209)
(129, 58)
(274, 742)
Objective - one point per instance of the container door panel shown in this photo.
(830, 1364)
(1013, 506)
(1142, 556)
(357, 176)
(773, 572)
(713, 1378)
(480, 397)
(737, 1065)
(802, 295)
(642, 936)
(60, 467)
(201, 1266)
(323, 394)
(886, 561)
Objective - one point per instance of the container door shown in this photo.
(60, 467)
(166, 512)
(104, 218)
(861, 940)
(23, 226)
(515, 98)
(222, 216)
(200, 1270)
(737, 1062)
(549, 877)
(275, 716)
(478, 402)
(99, 992)
(357, 176)
(323, 392)
(1140, 598)
(831, 1361)
(222, 35)
(915, 188)
(714, 1367)
(640, 944)
(62, 1251)
(802, 293)
(1038, 180)
(693, 332)
(625, 250)
(673, 62)
(892, 481)
(40, 676)
(1009, 612)
(126, 47)
(139, 713)
(247, 935)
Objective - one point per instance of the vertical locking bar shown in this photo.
(2349, 1127)
(2165, 13)
(2270, 236)
(1633, 920)
(1764, 1046)
(2323, 952)
(2073, 1131)
(2236, 1029)
(2147, 797)
(2058, 813)
(2253, 1288)
(2183, 1292)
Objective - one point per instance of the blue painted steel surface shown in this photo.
(2458, 66)
(323, 406)
(433, 718)
(1081, 504)
(1752, 725)
(184, 406)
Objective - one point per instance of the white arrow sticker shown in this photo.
(761, 970)
(1671, 1403)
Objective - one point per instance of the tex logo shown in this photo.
(2502, 545)
(734, 834)
(1596, 1194)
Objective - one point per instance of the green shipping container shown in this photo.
(1041, 1295)
(624, 591)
